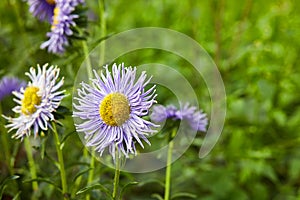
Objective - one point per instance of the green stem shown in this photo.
(103, 31)
(91, 173)
(169, 164)
(86, 54)
(89, 70)
(5, 143)
(6, 151)
(90, 75)
(117, 175)
(22, 33)
(32, 168)
(87, 59)
(61, 162)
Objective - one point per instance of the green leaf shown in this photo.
(157, 196)
(183, 194)
(43, 180)
(151, 181)
(81, 173)
(52, 160)
(5, 181)
(17, 196)
(67, 136)
(43, 147)
(126, 186)
(61, 112)
(92, 187)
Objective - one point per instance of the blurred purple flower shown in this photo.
(42, 9)
(61, 24)
(196, 119)
(8, 85)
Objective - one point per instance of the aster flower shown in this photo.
(112, 107)
(42, 9)
(8, 85)
(37, 102)
(61, 24)
(196, 119)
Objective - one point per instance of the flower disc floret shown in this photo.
(55, 17)
(114, 109)
(31, 100)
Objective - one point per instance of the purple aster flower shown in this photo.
(8, 85)
(112, 107)
(42, 9)
(61, 24)
(196, 119)
(37, 102)
(161, 113)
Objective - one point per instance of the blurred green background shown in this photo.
(256, 46)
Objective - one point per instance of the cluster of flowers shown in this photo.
(111, 107)
(60, 14)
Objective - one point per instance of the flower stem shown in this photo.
(117, 175)
(86, 54)
(32, 168)
(21, 32)
(5, 143)
(87, 58)
(91, 173)
(103, 31)
(90, 75)
(89, 69)
(61, 162)
(169, 164)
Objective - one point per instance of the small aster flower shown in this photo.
(8, 85)
(196, 119)
(112, 107)
(61, 24)
(37, 102)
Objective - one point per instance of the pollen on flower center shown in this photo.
(114, 109)
(55, 17)
(50, 2)
(31, 99)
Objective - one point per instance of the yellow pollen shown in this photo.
(31, 99)
(114, 109)
(50, 2)
(55, 17)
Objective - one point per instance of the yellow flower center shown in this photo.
(50, 2)
(114, 109)
(31, 99)
(55, 17)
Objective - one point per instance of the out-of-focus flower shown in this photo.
(42, 9)
(61, 24)
(37, 102)
(196, 119)
(112, 107)
(8, 85)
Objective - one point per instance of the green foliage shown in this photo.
(255, 45)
